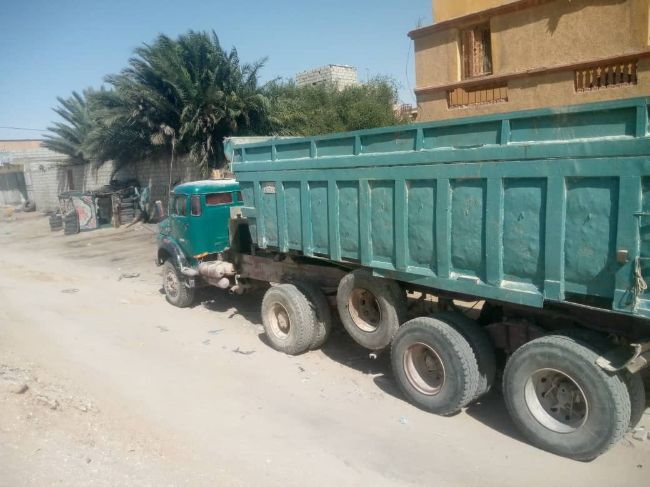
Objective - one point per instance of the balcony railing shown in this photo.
(603, 76)
(464, 97)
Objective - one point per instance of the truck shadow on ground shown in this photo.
(342, 349)
(247, 306)
(490, 410)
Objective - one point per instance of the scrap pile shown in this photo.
(117, 204)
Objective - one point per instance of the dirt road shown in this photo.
(103, 383)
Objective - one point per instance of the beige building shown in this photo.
(490, 56)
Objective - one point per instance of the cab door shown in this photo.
(180, 223)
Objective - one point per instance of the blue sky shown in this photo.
(49, 48)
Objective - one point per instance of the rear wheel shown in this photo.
(481, 346)
(321, 308)
(562, 401)
(434, 365)
(288, 318)
(636, 390)
(601, 344)
(176, 292)
(371, 308)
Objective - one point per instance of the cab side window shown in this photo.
(180, 205)
(195, 205)
(215, 199)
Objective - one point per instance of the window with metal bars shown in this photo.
(476, 51)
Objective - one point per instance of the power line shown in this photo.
(22, 128)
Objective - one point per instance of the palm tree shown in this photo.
(68, 137)
(190, 88)
(117, 133)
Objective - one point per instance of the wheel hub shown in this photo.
(279, 321)
(364, 310)
(171, 284)
(424, 369)
(556, 401)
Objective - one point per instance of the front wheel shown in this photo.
(176, 292)
(562, 401)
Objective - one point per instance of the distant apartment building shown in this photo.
(339, 74)
(491, 56)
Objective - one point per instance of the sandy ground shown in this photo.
(103, 383)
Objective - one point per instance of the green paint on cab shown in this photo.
(198, 216)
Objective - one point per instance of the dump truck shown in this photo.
(540, 218)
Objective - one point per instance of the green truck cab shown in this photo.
(196, 229)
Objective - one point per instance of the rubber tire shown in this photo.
(71, 223)
(636, 390)
(185, 295)
(392, 304)
(481, 344)
(634, 382)
(321, 308)
(457, 356)
(605, 425)
(56, 223)
(301, 315)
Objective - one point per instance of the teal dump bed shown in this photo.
(526, 207)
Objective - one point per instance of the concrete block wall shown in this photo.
(46, 175)
(340, 75)
(43, 185)
(155, 174)
(46, 179)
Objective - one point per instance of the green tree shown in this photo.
(181, 97)
(67, 137)
(323, 108)
(117, 134)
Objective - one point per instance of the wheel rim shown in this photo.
(278, 318)
(424, 369)
(364, 310)
(171, 284)
(556, 401)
